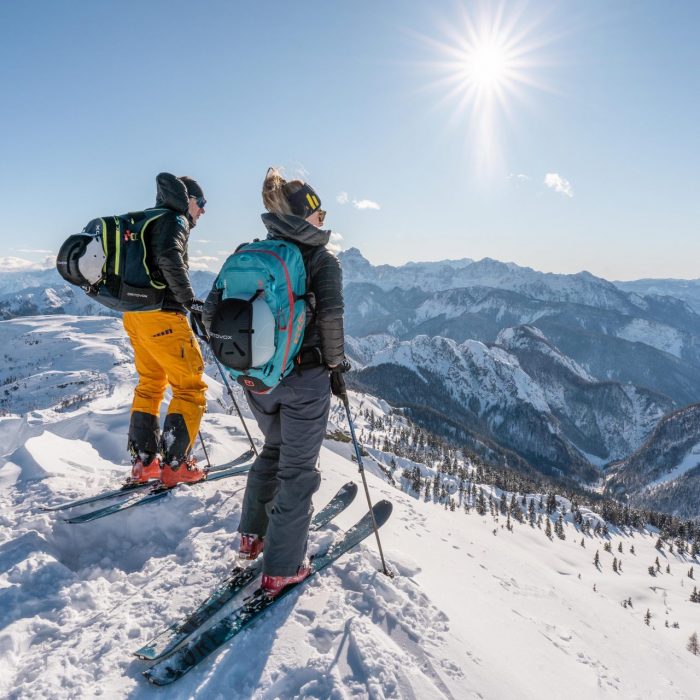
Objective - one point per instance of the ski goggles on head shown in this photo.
(304, 201)
(201, 202)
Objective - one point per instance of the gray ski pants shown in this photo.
(277, 501)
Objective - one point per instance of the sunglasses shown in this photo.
(201, 202)
(321, 216)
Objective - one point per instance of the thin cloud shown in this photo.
(365, 204)
(335, 244)
(344, 198)
(202, 262)
(202, 240)
(38, 251)
(559, 184)
(13, 264)
(519, 177)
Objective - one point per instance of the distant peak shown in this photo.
(353, 254)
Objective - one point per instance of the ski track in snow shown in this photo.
(474, 611)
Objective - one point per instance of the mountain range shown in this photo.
(561, 374)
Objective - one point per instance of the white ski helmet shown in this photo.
(92, 261)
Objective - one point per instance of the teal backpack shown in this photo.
(258, 326)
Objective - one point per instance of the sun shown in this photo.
(486, 66)
(489, 63)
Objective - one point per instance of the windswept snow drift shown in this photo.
(474, 610)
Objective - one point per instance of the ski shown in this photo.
(169, 639)
(128, 489)
(188, 656)
(155, 494)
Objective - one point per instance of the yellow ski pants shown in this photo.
(167, 352)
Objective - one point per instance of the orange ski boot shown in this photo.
(186, 472)
(141, 473)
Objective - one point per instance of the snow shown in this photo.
(657, 335)
(473, 611)
(689, 461)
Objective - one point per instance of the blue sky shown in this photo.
(594, 166)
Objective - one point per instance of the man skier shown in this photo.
(166, 351)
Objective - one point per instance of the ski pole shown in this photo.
(201, 334)
(358, 453)
(235, 403)
(204, 447)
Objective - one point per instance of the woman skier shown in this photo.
(277, 506)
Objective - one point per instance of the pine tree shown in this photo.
(657, 563)
(532, 517)
(691, 573)
(615, 564)
(481, 503)
(647, 618)
(583, 543)
(559, 528)
(693, 646)
(548, 528)
(596, 559)
(632, 549)
(619, 547)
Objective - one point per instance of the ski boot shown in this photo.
(143, 470)
(184, 472)
(272, 586)
(251, 547)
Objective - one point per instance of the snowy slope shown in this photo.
(474, 611)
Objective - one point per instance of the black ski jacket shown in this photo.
(167, 244)
(325, 327)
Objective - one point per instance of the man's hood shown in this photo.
(172, 193)
(294, 228)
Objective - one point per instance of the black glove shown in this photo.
(338, 387)
(196, 307)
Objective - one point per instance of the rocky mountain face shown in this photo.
(652, 342)
(521, 393)
(606, 363)
(664, 472)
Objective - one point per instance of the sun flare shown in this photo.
(487, 65)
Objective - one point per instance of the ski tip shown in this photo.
(382, 511)
(145, 654)
(350, 488)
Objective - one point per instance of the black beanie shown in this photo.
(193, 188)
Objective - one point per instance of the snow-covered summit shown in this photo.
(581, 288)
